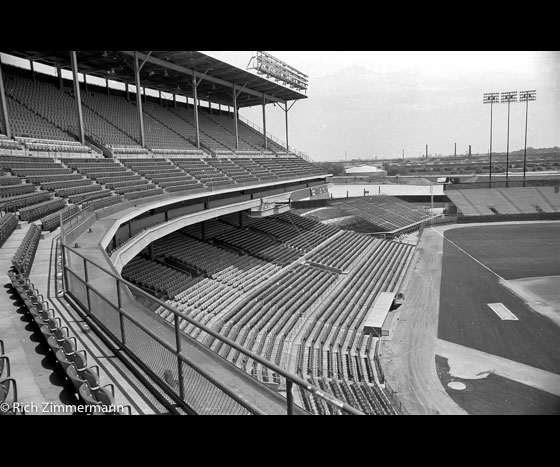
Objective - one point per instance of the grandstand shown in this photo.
(160, 264)
(187, 182)
(523, 202)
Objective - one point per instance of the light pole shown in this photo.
(526, 96)
(508, 97)
(490, 98)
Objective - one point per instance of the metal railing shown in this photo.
(102, 295)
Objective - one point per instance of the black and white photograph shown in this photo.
(361, 232)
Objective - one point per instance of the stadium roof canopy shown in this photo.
(172, 72)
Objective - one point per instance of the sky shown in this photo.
(367, 104)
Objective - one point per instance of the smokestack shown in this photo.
(426, 151)
(455, 153)
(469, 151)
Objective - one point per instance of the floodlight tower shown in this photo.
(490, 98)
(508, 97)
(526, 96)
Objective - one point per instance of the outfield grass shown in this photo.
(513, 251)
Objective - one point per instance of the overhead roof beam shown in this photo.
(144, 61)
(196, 74)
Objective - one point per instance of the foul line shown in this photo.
(468, 254)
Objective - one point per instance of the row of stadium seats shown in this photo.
(14, 203)
(8, 223)
(8, 385)
(52, 221)
(162, 280)
(36, 211)
(85, 379)
(22, 260)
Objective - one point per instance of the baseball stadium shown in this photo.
(162, 254)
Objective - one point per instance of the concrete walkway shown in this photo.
(30, 365)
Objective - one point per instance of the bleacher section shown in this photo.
(497, 201)
(382, 213)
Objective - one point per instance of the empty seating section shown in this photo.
(163, 173)
(27, 123)
(8, 223)
(111, 174)
(163, 281)
(9, 144)
(224, 131)
(232, 170)
(13, 203)
(112, 119)
(52, 221)
(15, 190)
(242, 272)
(25, 254)
(255, 138)
(512, 200)
(206, 132)
(308, 224)
(165, 130)
(276, 307)
(384, 213)
(50, 175)
(259, 246)
(212, 228)
(207, 174)
(43, 111)
(32, 213)
(9, 180)
(288, 234)
(253, 291)
(342, 251)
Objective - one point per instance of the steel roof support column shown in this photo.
(74, 62)
(286, 109)
(195, 97)
(139, 99)
(507, 151)
(5, 116)
(160, 102)
(127, 94)
(32, 66)
(85, 83)
(235, 117)
(107, 85)
(59, 74)
(174, 101)
(264, 123)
